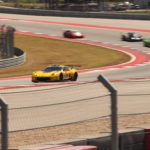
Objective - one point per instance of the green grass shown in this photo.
(42, 52)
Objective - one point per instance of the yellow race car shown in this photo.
(55, 73)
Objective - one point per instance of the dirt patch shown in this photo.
(42, 52)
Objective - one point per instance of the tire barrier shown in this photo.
(18, 59)
(85, 14)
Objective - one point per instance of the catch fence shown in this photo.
(6, 42)
(72, 110)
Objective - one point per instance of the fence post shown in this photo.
(4, 124)
(6, 41)
(114, 119)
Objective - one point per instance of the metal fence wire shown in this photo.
(44, 114)
(6, 42)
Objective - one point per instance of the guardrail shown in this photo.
(18, 59)
(85, 14)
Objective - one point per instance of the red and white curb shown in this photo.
(137, 57)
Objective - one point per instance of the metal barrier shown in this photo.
(18, 59)
(9, 55)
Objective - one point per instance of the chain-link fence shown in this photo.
(69, 111)
(32, 121)
(6, 42)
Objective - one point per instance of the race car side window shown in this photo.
(66, 68)
(49, 69)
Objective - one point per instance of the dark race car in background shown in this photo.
(73, 34)
(131, 37)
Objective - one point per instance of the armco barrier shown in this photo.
(18, 59)
(110, 15)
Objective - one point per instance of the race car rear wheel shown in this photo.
(145, 44)
(75, 77)
(61, 78)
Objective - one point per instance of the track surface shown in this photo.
(132, 99)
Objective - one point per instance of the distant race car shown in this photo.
(131, 36)
(146, 42)
(55, 73)
(73, 34)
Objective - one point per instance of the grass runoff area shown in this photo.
(42, 52)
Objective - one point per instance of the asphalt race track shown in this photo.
(132, 82)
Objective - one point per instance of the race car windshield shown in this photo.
(50, 69)
(135, 35)
(75, 31)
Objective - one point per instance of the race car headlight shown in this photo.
(34, 74)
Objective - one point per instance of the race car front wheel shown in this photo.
(35, 81)
(145, 44)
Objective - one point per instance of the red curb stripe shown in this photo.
(141, 57)
(129, 79)
(13, 78)
(36, 85)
